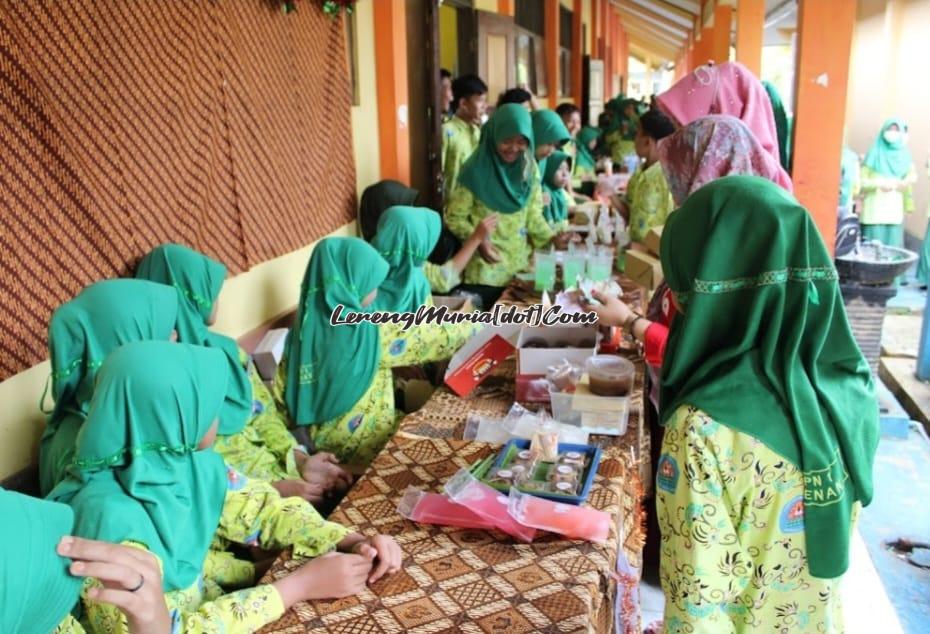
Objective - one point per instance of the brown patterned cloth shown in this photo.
(462, 580)
(128, 124)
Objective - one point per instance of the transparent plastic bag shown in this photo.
(574, 522)
(463, 488)
(434, 508)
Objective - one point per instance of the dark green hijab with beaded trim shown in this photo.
(330, 367)
(137, 473)
(405, 238)
(198, 280)
(763, 346)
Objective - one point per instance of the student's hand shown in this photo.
(384, 551)
(611, 312)
(330, 576)
(313, 492)
(486, 228)
(561, 240)
(489, 252)
(131, 581)
(323, 469)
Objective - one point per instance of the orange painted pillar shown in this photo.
(577, 50)
(505, 7)
(595, 29)
(750, 20)
(551, 29)
(391, 82)
(720, 38)
(607, 56)
(825, 32)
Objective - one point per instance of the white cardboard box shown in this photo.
(538, 360)
(269, 351)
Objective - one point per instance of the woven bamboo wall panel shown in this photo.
(224, 125)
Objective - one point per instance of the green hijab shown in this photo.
(406, 236)
(548, 127)
(503, 187)
(584, 157)
(764, 347)
(137, 473)
(81, 334)
(890, 159)
(36, 589)
(782, 128)
(330, 367)
(378, 198)
(557, 209)
(198, 280)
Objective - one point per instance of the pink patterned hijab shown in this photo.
(728, 88)
(711, 148)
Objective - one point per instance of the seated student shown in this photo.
(81, 333)
(378, 198)
(584, 165)
(43, 568)
(555, 182)
(461, 133)
(620, 134)
(403, 239)
(336, 379)
(145, 475)
(445, 93)
(501, 178)
(648, 200)
(571, 117)
(254, 438)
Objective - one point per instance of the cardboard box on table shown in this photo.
(654, 240)
(474, 361)
(532, 363)
(644, 269)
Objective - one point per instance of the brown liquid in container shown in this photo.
(609, 375)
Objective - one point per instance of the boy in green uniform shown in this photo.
(461, 133)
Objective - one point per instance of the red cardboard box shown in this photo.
(469, 368)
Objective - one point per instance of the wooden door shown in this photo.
(496, 53)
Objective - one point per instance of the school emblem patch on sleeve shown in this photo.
(791, 518)
(667, 476)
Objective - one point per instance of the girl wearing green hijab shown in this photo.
(81, 334)
(253, 429)
(556, 178)
(782, 125)
(405, 238)
(770, 416)
(501, 177)
(42, 569)
(549, 134)
(585, 164)
(888, 178)
(145, 475)
(336, 379)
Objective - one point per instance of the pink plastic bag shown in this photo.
(486, 502)
(575, 522)
(434, 508)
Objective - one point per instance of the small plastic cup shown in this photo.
(572, 268)
(599, 266)
(545, 271)
(609, 375)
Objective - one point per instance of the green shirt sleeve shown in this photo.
(442, 279)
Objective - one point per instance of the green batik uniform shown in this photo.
(619, 147)
(887, 164)
(264, 448)
(442, 278)
(254, 514)
(488, 186)
(358, 435)
(459, 140)
(405, 238)
(650, 200)
(556, 212)
(771, 415)
(82, 332)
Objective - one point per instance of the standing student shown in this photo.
(253, 430)
(571, 117)
(584, 166)
(649, 200)
(556, 181)
(501, 178)
(549, 134)
(81, 333)
(445, 93)
(336, 379)
(145, 475)
(888, 178)
(461, 134)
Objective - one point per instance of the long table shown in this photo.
(459, 580)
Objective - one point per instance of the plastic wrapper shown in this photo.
(434, 508)
(519, 423)
(486, 429)
(564, 376)
(545, 443)
(463, 488)
(575, 522)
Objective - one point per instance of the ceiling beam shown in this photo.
(650, 31)
(649, 43)
(647, 50)
(665, 25)
(680, 18)
(686, 6)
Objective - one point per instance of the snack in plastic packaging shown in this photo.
(563, 376)
(545, 444)
(573, 459)
(576, 522)
(463, 488)
(434, 508)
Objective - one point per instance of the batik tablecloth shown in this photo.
(463, 580)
